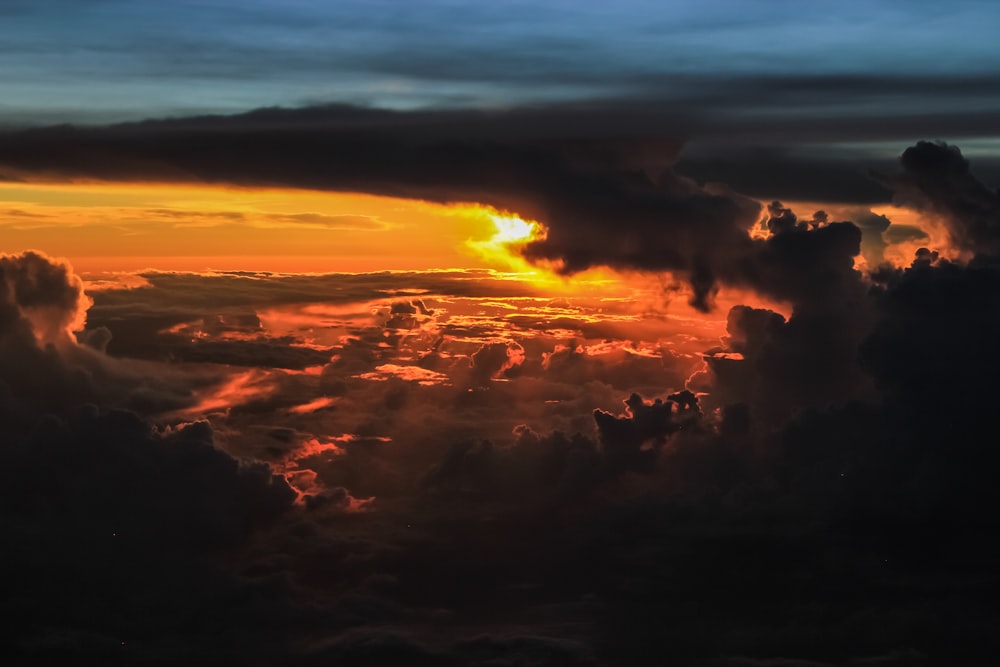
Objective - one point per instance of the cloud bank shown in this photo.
(449, 486)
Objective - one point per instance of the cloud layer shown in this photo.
(453, 469)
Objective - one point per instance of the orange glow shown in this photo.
(421, 376)
(901, 254)
(108, 227)
(899, 248)
(305, 481)
(239, 389)
(108, 230)
(313, 405)
(105, 229)
(510, 232)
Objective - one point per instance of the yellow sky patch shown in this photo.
(171, 227)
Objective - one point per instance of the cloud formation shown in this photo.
(936, 178)
(785, 505)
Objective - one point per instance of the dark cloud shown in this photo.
(96, 503)
(114, 530)
(800, 262)
(117, 527)
(40, 304)
(43, 366)
(43, 294)
(770, 172)
(632, 441)
(936, 177)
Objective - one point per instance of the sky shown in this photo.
(451, 333)
(114, 60)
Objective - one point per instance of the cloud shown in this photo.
(44, 293)
(180, 219)
(42, 304)
(788, 172)
(109, 519)
(937, 178)
(44, 367)
(110, 516)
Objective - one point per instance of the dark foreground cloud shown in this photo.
(44, 367)
(97, 503)
(113, 530)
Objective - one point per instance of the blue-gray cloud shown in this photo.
(112, 59)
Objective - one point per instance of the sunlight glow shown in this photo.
(512, 229)
(510, 232)
(108, 227)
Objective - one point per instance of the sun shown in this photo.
(511, 229)
(500, 237)
(509, 233)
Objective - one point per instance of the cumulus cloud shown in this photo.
(46, 293)
(95, 500)
(49, 365)
(937, 178)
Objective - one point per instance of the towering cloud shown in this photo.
(97, 502)
(45, 293)
(937, 178)
(41, 305)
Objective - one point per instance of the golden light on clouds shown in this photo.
(509, 232)
(102, 228)
(911, 230)
(499, 249)
(891, 233)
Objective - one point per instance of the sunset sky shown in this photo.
(458, 333)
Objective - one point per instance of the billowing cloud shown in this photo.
(937, 178)
(46, 294)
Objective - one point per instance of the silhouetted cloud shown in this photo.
(937, 178)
